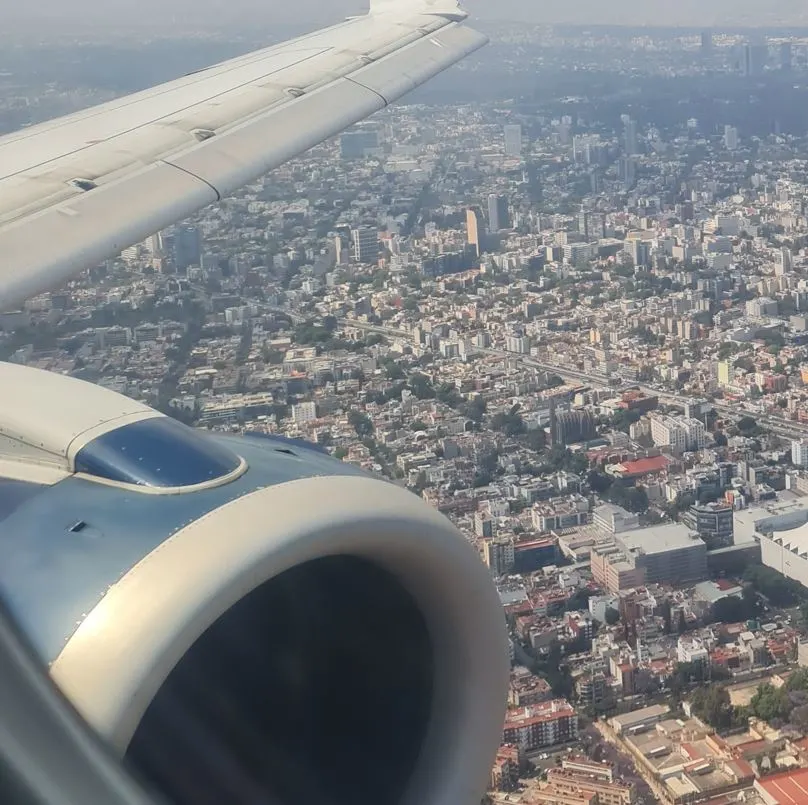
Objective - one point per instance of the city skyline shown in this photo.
(688, 13)
(554, 304)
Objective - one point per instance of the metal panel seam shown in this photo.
(370, 89)
(190, 173)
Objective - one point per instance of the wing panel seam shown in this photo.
(195, 176)
(158, 120)
(369, 89)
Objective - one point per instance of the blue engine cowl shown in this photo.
(245, 618)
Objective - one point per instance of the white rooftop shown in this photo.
(658, 538)
(778, 515)
(794, 539)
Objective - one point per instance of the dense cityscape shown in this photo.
(571, 314)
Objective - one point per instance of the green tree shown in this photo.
(770, 703)
(361, 423)
(475, 409)
(393, 371)
(510, 423)
(711, 704)
(623, 419)
(421, 386)
(778, 589)
(748, 426)
(612, 616)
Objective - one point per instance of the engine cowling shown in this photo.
(246, 619)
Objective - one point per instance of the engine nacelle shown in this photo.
(245, 619)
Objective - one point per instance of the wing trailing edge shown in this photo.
(77, 190)
(450, 9)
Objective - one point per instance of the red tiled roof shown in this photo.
(789, 788)
(644, 466)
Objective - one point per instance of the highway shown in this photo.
(777, 425)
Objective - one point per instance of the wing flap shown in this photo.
(142, 156)
(413, 65)
(235, 158)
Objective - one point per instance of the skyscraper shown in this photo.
(753, 59)
(630, 137)
(591, 224)
(730, 138)
(365, 242)
(187, 247)
(355, 144)
(706, 42)
(473, 226)
(639, 251)
(513, 140)
(498, 217)
(783, 261)
(785, 56)
(627, 169)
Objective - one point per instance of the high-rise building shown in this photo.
(706, 42)
(730, 138)
(714, 522)
(304, 411)
(356, 144)
(473, 227)
(630, 137)
(484, 525)
(627, 171)
(783, 261)
(513, 140)
(785, 56)
(753, 59)
(680, 433)
(498, 217)
(583, 223)
(639, 251)
(799, 453)
(365, 242)
(187, 247)
(569, 427)
(498, 555)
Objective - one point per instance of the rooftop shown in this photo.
(795, 539)
(789, 788)
(638, 716)
(658, 538)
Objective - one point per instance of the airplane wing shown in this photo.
(79, 189)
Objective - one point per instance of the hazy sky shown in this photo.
(641, 12)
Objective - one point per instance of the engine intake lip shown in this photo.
(125, 648)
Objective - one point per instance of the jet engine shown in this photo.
(242, 617)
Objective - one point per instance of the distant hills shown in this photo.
(690, 13)
(179, 14)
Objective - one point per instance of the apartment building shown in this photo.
(542, 724)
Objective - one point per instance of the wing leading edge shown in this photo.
(79, 189)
